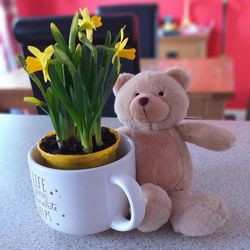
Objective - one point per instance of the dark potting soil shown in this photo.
(73, 146)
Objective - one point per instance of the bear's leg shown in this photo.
(158, 208)
(197, 214)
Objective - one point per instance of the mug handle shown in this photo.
(136, 201)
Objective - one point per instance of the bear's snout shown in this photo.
(149, 108)
(143, 101)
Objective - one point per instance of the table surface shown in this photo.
(226, 173)
(208, 75)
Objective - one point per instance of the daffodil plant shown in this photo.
(80, 78)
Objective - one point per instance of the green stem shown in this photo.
(86, 143)
(107, 49)
(98, 131)
(68, 127)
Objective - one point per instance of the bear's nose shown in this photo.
(143, 101)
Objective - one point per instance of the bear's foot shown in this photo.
(197, 214)
(158, 208)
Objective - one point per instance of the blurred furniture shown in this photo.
(191, 42)
(186, 46)
(186, 22)
(14, 86)
(36, 32)
(248, 110)
(148, 23)
(211, 85)
(8, 45)
(226, 173)
(224, 26)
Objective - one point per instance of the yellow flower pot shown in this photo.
(91, 160)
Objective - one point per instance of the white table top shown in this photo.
(226, 173)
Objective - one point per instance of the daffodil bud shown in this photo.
(64, 59)
(73, 33)
(34, 101)
(59, 38)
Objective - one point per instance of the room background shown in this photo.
(201, 12)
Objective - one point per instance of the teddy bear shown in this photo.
(152, 106)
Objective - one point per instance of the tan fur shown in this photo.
(152, 105)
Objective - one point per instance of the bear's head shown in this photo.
(152, 100)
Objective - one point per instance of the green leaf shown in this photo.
(53, 111)
(78, 93)
(91, 47)
(97, 89)
(63, 94)
(56, 100)
(66, 77)
(107, 43)
(82, 99)
(110, 81)
(84, 64)
(38, 83)
(59, 69)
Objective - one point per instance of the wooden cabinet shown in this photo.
(14, 86)
(186, 46)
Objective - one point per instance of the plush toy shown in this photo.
(152, 106)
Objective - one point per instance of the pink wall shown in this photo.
(202, 12)
(238, 47)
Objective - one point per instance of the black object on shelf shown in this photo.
(147, 15)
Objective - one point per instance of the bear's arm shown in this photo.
(206, 135)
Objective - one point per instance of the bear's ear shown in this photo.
(180, 75)
(122, 78)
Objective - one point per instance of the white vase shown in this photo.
(89, 201)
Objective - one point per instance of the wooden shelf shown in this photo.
(14, 86)
(187, 46)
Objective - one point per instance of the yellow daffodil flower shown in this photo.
(120, 52)
(89, 23)
(40, 61)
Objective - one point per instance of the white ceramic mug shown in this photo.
(89, 201)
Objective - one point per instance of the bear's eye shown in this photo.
(136, 94)
(161, 93)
